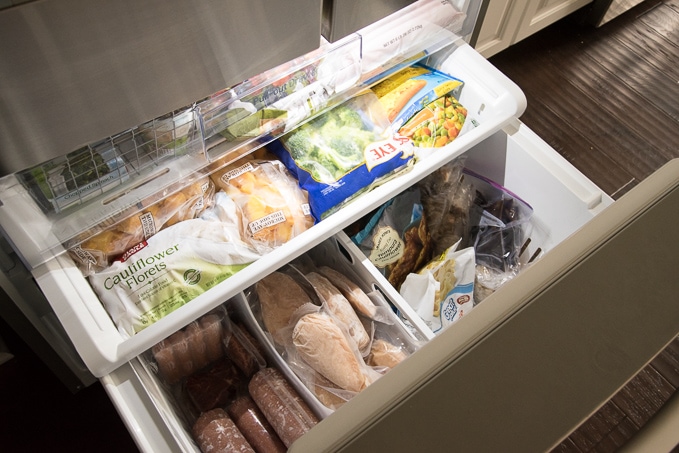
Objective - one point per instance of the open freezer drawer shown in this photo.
(493, 101)
(564, 201)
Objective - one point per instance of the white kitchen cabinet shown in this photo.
(507, 22)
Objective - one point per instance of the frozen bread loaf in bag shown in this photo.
(273, 207)
(96, 248)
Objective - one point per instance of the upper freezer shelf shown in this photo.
(72, 198)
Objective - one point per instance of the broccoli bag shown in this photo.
(343, 153)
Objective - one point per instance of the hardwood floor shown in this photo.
(607, 100)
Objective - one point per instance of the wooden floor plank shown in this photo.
(641, 398)
(581, 152)
(667, 363)
(597, 427)
(622, 433)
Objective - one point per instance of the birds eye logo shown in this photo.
(192, 276)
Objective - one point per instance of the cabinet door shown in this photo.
(539, 14)
(499, 26)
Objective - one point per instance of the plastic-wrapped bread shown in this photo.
(215, 432)
(214, 387)
(385, 354)
(273, 207)
(99, 250)
(254, 426)
(323, 345)
(340, 307)
(355, 295)
(279, 296)
(282, 406)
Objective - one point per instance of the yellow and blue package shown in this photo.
(343, 153)
(410, 90)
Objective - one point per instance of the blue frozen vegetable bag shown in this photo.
(343, 153)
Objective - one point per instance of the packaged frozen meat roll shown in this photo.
(273, 207)
(190, 349)
(243, 349)
(254, 426)
(171, 268)
(215, 431)
(283, 407)
(98, 247)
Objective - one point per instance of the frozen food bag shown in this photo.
(343, 153)
(442, 291)
(174, 266)
(98, 250)
(396, 239)
(410, 90)
(437, 124)
(502, 228)
(448, 202)
(273, 208)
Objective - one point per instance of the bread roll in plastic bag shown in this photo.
(273, 207)
(98, 251)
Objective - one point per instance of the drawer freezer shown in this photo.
(523, 368)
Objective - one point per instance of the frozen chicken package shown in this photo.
(343, 153)
(174, 266)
